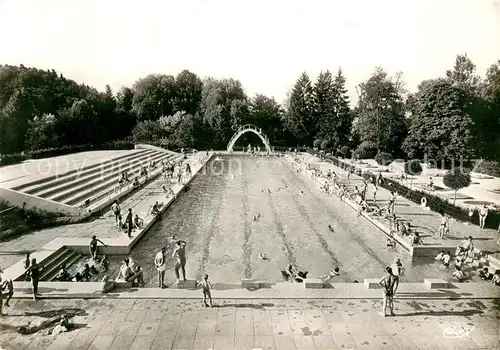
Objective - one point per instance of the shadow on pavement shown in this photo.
(59, 312)
(463, 313)
(247, 306)
(440, 293)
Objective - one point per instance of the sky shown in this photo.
(265, 44)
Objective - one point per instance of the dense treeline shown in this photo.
(457, 115)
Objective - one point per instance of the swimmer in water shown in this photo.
(330, 228)
(263, 256)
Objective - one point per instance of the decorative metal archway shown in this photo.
(249, 128)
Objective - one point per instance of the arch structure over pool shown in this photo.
(249, 128)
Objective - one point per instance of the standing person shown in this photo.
(444, 225)
(388, 283)
(483, 213)
(392, 203)
(129, 221)
(498, 231)
(93, 246)
(375, 189)
(363, 191)
(188, 170)
(27, 264)
(115, 208)
(206, 287)
(180, 254)
(35, 271)
(161, 267)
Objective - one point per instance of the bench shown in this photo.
(249, 283)
(188, 284)
(436, 283)
(372, 283)
(313, 283)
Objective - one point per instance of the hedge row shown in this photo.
(435, 203)
(8, 159)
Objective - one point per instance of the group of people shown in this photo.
(464, 256)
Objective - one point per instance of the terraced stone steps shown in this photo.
(85, 190)
(51, 269)
(69, 261)
(53, 181)
(48, 189)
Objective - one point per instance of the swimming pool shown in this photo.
(215, 218)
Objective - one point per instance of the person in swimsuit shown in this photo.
(93, 246)
(206, 287)
(180, 254)
(388, 283)
(161, 267)
(483, 213)
(35, 270)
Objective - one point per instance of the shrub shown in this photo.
(383, 158)
(413, 167)
(8, 159)
(317, 143)
(489, 167)
(345, 151)
(325, 144)
(456, 180)
(366, 150)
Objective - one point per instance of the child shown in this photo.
(104, 262)
(440, 256)
(206, 287)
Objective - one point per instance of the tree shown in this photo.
(188, 94)
(381, 112)
(299, 119)
(154, 96)
(456, 180)
(223, 106)
(488, 123)
(42, 133)
(345, 151)
(412, 168)
(441, 127)
(343, 110)
(464, 75)
(324, 108)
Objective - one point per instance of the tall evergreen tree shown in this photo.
(324, 108)
(299, 119)
(344, 114)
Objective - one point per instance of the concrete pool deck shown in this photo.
(246, 324)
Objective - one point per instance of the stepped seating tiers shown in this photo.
(82, 192)
(77, 186)
(63, 183)
(46, 182)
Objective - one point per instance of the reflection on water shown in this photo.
(216, 219)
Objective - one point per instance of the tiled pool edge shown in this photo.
(92, 290)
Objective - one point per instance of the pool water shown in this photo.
(215, 218)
